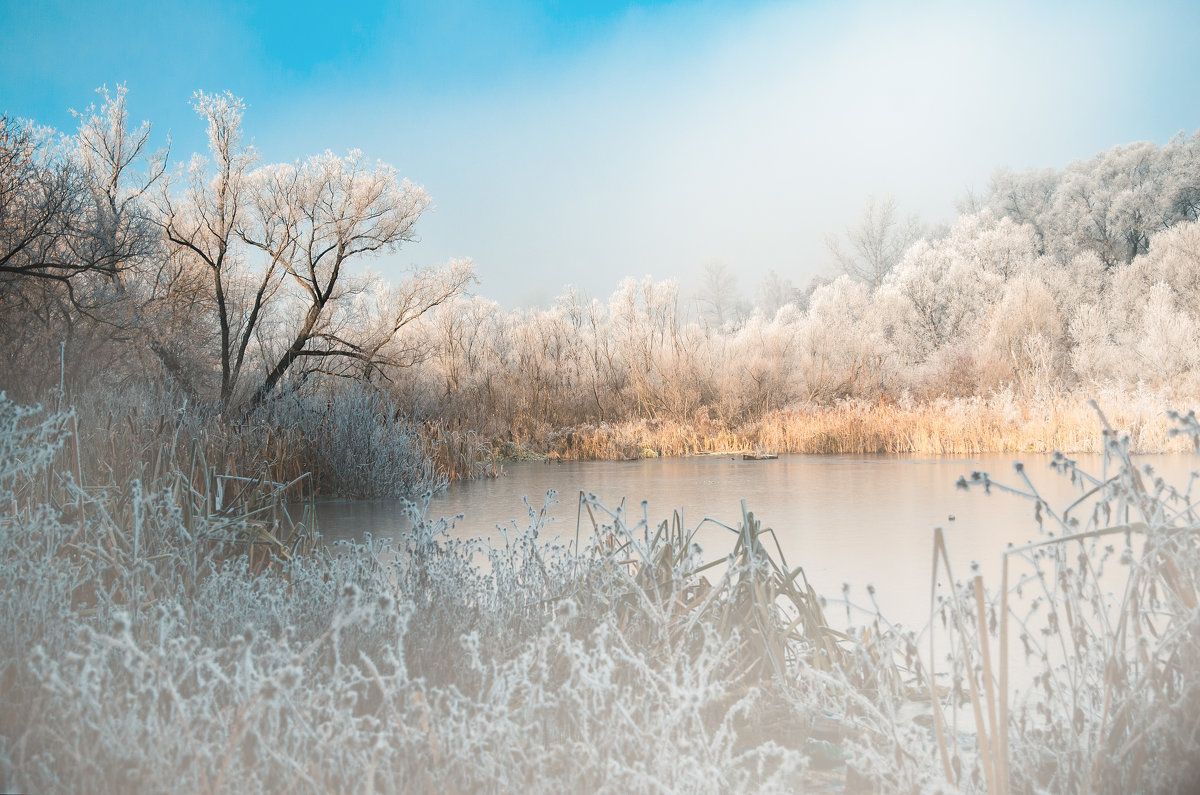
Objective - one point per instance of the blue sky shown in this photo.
(583, 142)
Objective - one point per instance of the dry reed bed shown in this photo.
(855, 427)
(458, 453)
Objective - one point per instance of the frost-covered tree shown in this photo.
(873, 247)
(1026, 197)
(202, 224)
(948, 286)
(1180, 182)
(1025, 342)
(311, 220)
(1168, 344)
(75, 242)
(1174, 260)
(834, 350)
(73, 207)
(645, 322)
(719, 299)
(368, 332)
(1083, 279)
(775, 292)
(1142, 325)
(939, 299)
(278, 242)
(1110, 204)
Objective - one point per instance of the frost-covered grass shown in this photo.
(1101, 620)
(143, 648)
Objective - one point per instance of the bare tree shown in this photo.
(72, 207)
(202, 226)
(74, 228)
(876, 244)
(718, 297)
(42, 203)
(313, 218)
(365, 337)
(276, 242)
(775, 292)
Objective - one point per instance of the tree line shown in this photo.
(228, 279)
(1053, 281)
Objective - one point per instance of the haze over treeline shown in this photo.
(228, 279)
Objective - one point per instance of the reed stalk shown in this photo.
(963, 427)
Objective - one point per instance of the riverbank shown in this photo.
(963, 426)
(359, 444)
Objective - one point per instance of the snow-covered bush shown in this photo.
(1025, 342)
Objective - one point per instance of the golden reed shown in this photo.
(966, 426)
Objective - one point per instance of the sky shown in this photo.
(582, 142)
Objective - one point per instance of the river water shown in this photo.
(857, 520)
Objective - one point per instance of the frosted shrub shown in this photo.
(353, 441)
(1174, 259)
(1097, 353)
(951, 283)
(1168, 336)
(833, 345)
(356, 442)
(1081, 280)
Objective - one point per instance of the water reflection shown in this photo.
(846, 519)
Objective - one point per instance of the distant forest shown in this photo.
(228, 282)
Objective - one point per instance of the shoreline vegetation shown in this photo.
(961, 427)
(262, 338)
(359, 444)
